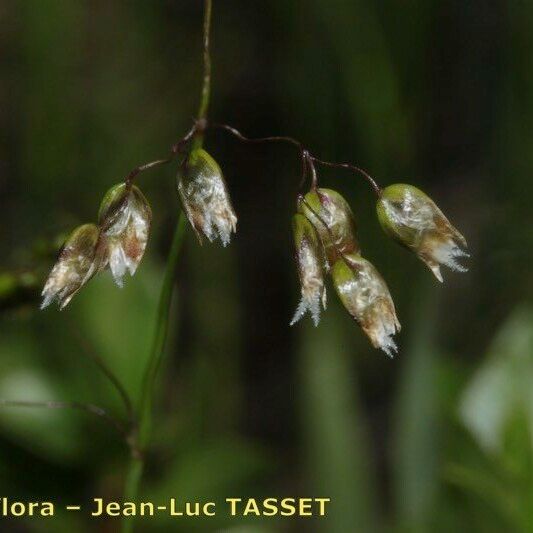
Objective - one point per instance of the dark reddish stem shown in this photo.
(349, 166)
(312, 169)
(274, 138)
(307, 157)
(87, 407)
(174, 151)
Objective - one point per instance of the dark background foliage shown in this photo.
(437, 94)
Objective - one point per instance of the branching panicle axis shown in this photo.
(325, 237)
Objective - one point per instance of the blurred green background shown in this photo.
(438, 94)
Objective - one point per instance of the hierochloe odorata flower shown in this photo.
(412, 218)
(125, 218)
(81, 257)
(366, 297)
(333, 219)
(205, 197)
(311, 264)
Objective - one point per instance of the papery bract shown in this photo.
(366, 297)
(311, 265)
(334, 221)
(81, 257)
(205, 197)
(410, 217)
(125, 217)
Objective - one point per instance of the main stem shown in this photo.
(141, 436)
(206, 85)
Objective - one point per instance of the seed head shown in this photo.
(311, 264)
(366, 297)
(205, 197)
(410, 217)
(125, 217)
(81, 257)
(333, 219)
